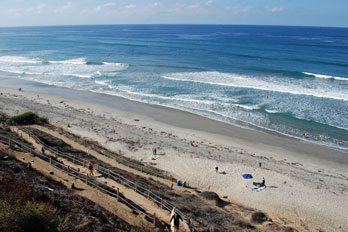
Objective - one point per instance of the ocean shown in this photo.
(288, 80)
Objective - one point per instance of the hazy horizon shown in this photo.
(217, 12)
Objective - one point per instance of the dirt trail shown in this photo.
(99, 156)
(105, 201)
(146, 204)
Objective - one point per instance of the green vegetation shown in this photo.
(21, 209)
(31, 216)
(6, 129)
(26, 119)
(154, 172)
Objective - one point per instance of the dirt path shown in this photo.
(105, 201)
(140, 200)
(106, 159)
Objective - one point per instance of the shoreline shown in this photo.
(188, 120)
(308, 183)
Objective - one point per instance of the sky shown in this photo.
(254, 12)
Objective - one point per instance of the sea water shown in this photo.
(290, 80)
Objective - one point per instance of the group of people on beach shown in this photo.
(179, 183)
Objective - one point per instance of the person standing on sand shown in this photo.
(216, 169)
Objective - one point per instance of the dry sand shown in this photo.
(307, 183)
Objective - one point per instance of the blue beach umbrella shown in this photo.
(247, 176)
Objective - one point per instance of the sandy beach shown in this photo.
(306, 183)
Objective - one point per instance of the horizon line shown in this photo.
(164, 24)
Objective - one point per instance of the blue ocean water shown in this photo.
(286, 79)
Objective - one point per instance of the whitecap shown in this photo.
(326, 76)
(19, 59)
(79, 61)
(253, 82)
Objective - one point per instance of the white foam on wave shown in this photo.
(82, 61)
(251, 82)
(79, 61)
(272, 111)
(116, 64)
(128, 92)
(76, 75)
(10, 71)
(46, 73)
(72, 67)
(248, 107)
(106, 83)
(19, 59)
(326, 76)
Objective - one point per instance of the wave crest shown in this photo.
(258, 83)
(326, 76)
(77, 67)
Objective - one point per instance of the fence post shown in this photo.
(118, 193)
(108, 173)
(154, 219)
(148, 194)
(86, 178)
(135, 187)
(161, 203)
(51, 161)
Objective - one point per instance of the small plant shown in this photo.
(6, 129)
(259, 217)
(41, 121)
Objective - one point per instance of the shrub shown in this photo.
(259, 217)
(6, 129)
(27, 118)
(31, 216)
(42, 121)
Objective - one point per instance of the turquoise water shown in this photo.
(286, 79)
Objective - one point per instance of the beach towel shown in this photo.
(257, 189)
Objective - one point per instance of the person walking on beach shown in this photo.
(216, 169)
(176, 219)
